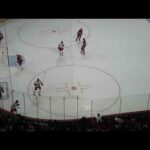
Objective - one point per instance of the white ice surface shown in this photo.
(116, 64)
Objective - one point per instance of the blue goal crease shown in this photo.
(12, 60)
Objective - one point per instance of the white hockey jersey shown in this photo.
(61, 45)
(38, 83)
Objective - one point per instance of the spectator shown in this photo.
(119, 120)
(99, 118)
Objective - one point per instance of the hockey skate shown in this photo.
(39, 94)
(34, 93)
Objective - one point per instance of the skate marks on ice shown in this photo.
(72, 81)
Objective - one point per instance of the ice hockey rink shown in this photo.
(113, 76)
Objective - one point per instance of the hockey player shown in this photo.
(1, 36)
(14, 107)
(83, 47)
(61, 48)
(1, 91)
(37, 85)
(79, 34)
(19, 60)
